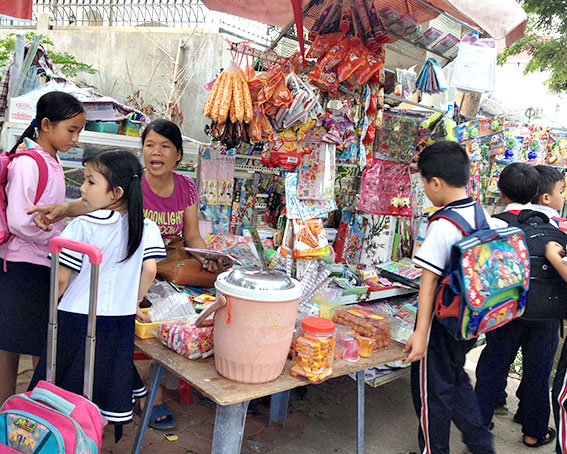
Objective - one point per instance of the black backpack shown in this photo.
(547, 295)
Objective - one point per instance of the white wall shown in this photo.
(136, 58)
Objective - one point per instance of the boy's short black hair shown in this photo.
(548, 178)
(445, 160)
(519, 182)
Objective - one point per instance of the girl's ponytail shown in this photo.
(121, 168)
(135, 214)
(56, 106)
(29, 133)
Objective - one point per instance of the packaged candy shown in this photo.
(330, 8)
(335, 55)
(347, 344)
(314, 349)
(366, 345)
(353, 60)
(186, 339)
(323, 44)
(365, 322)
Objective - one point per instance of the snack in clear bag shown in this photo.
(186, 339)
(347, 347)
(367, 323)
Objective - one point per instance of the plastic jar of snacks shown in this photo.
(314, 348)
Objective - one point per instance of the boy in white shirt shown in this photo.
(440, 386)
(519, 184)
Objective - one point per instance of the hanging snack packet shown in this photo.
(310, 239)
(323, 44)
(328, 11)
(352, 61)
(344, 25)
(335, 55)
(373, 62)
(325, 80)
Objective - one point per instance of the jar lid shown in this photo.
(318, 325)
(258, 283)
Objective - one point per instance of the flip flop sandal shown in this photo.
(547, 438)
(159, 411)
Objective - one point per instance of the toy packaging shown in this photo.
(386, 189)
(378, 239)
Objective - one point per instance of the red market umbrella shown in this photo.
(19, 9)
(502, 19)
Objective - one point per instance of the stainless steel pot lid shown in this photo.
(254, 278)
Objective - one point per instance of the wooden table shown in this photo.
(232, 398)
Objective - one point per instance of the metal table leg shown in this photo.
(360, 408)
(229, 428)
(156, 373)
(278, 407)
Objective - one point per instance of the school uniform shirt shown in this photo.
(552, 214)
(442, 234)
(167, 212)
(27, 242)
(118, 280)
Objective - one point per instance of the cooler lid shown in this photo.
(258, 283)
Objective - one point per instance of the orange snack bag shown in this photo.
(353, 60)
(323, 44)
(335, 55)
(369, 67)
(276, 91)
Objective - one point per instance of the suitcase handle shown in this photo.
(95, 258)
(58, 243)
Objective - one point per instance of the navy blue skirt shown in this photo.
(114, 359)
(24, 307)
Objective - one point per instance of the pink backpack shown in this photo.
(5, 159)
(50, 420)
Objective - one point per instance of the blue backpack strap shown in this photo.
(454, 218)
(480, 218)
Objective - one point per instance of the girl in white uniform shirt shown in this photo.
(130, 247)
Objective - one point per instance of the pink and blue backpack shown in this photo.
(485, 284)
(50, 420)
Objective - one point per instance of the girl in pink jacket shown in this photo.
(24, 286)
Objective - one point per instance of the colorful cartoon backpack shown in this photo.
(484, 286)
(547, 296)
(25, 149)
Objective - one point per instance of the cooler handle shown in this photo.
(95, 258)
(202, 321)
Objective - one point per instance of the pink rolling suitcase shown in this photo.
(51, 420)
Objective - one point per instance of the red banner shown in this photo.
(20, 9)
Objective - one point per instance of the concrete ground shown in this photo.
(321, 419)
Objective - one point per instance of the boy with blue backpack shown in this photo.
(537, 331)
(440, 386)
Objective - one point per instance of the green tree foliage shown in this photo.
(67, 63)
(545, 41)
